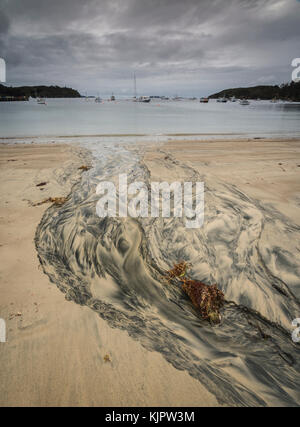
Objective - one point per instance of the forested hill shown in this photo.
(39, 91)
(289, 91)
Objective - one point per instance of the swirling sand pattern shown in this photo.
(116, 266)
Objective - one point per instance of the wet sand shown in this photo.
(56, 350)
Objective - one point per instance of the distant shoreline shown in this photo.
(37, 92)
(151, 137)
(286, 92)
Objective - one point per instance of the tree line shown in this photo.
(287, 91)
(38, 92)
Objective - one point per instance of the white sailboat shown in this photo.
(98, 99)
(144, 99)
(41, 101)
(222, 99)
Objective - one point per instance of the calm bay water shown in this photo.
(78, 117)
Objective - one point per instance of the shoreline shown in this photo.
(160, 137)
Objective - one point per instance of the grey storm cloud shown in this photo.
(174, 46)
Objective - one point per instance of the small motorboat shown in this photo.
(244, 102)
(145, 99)
(204, 100)
(41, 101)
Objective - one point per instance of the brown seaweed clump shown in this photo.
(208, 300)
(179, 270)
(84, 168)
(57, 201)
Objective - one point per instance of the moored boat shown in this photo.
(144, 99)
(244, 102)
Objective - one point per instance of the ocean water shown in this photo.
(79, 117)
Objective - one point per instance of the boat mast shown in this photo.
(134, 78)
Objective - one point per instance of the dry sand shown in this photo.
(56, 351)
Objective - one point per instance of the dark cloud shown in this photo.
(191, 46)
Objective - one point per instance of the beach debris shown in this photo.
(41, 184)
(57, 201)
(106, 358)
(208, 300)
(179, 270)
(13, 315)
(84, 168)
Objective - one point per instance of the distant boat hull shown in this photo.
(41, 101)
(146, 101)
(143, 99)
(244, 102)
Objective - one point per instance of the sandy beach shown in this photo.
(56, 351)
(59, 353)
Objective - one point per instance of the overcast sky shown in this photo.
(185, 47)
